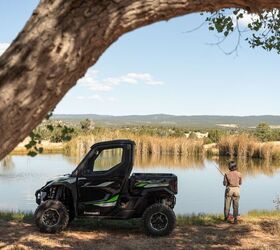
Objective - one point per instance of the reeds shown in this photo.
(246, 146)
(145, 145)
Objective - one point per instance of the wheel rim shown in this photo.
(50, 217)
(159, 221)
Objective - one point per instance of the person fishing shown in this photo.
(232, 181)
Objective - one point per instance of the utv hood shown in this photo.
(65, 179)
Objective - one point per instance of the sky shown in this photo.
(163, 68)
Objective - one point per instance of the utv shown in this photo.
(101, 187)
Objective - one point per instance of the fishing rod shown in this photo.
(216, 166)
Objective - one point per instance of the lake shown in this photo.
(200, 188)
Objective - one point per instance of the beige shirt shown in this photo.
(232, 179)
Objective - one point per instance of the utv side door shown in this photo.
(103, 177)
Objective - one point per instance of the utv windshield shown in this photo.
(100, 160)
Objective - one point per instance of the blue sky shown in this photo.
(162, 68)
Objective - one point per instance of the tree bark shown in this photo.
(62, 39)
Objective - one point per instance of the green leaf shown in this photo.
(32, 153)
(50, 127)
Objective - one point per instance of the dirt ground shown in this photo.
(257, 235)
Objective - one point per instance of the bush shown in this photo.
(263, 132)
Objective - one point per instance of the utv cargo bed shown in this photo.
(161, 180)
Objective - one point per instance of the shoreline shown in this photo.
(182, 219)
(258, 230)
(238, 147)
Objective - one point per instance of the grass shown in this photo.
(199, 219)
(256, 214)
(16, 216)
(212, 219)
(182, 220)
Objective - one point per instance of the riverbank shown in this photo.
(240, 146)
(48, 147)
(257, 230)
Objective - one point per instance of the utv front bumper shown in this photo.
(40, 195)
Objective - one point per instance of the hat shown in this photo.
(232, 166)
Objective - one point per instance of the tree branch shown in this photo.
(63, 39)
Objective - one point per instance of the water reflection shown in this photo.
(251, 167)
(146, 161)
(200, 183)
(168, 161)
(248, 167)
(7, 162)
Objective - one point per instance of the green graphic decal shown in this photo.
(112, 199)
(150, 184)
(142, 183)
(110, 202)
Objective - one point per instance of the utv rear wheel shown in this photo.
(51, 216)
(158, 220)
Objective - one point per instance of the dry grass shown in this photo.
(246, 146)
(145, 145)
(49, 148)
(242, 146)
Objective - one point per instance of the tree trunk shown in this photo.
(63, 39)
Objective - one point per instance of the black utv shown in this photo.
(102, 187)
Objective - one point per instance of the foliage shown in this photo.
(263, 132)
(61, 133)
(35, 140)
(58, 134)
(192, 135)
(32, 145)
(263, 27)
(215, 135)
(85, 124)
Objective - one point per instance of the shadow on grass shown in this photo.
(90, 224)
(192, 232)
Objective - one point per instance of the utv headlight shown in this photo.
(42, 196)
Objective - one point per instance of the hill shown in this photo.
(197, 121)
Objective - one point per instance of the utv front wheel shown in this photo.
(158, 220)
(51, 216)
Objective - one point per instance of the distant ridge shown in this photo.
(206, 121)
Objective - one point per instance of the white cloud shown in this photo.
(81, 97)
(3, 47)
(112, 99)
(142, 77)
(245, 20)
(97, 98)
(94, 83)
